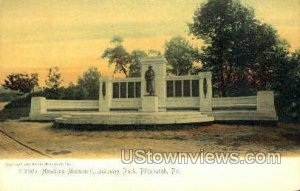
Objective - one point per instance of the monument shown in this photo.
(150, 101)
(153, 99)
(149, 76)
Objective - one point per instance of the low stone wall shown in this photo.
(43, 109)
(252, 108)
(72, 105)
(234, 103)
(183, 103)
(129, 103)
(259, 108)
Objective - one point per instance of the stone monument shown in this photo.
(149, 77)
(150, 101)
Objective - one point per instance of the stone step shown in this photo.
(244, 116)
(134, 117)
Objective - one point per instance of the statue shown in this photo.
(149, 76)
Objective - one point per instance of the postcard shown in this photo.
(149, 95)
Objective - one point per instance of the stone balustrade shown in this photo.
(260, 107)
(182, 93)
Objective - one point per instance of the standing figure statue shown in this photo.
(149, 76)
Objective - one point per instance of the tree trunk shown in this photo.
(124, 71)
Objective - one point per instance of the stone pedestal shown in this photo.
(265, 102)
(150, 104)
(159, 66)
(38, 106)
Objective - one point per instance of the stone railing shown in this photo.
(189, 92)
(119, 93)
(126, 88)
(260, 107)
(263, 102)
(72, 105)
(188, 77)
(40, 105)
(225, 103)
(252, 108)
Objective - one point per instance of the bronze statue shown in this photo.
(149, 76)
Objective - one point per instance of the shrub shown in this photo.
(9, 96)
(20, 102)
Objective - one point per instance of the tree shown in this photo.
(35, 80)
(135, 65)
(287, 86)
(54, 90)
(154, 53)
(180, 55)
(75, 92)
(118, 56)
(54, 79)
(238, 48)
(90, 81)
(21, 82)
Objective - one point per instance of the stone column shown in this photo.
(205, 92)
(105, 94)
(38, 106)
(159, 67)
(265, 102)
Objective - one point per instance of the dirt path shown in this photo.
(11, 148)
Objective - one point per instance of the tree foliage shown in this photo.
(135, 65)
(54, 78)
(180, 55)
(154, 53)
(118, 56)
(90, 82)
(127, 63)
(240, 50)
(75, 92)
(21, 82)
(287, 86)
(53, 89)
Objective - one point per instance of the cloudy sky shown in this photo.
(72, 34)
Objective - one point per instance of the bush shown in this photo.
(75, 93)
(288, 109)
(70, 93)
(9, 96)
(21, 102)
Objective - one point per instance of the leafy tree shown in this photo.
(54, 79)
(287, 86)
(180, 55)
(135, 65)
(75, 92)
(54, 90)
(154, 53)
(239, 49)
(118, 56)
(21, 82)
(90, 82)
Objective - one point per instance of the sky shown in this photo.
(72, 34)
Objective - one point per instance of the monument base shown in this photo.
(150, 104)
(134, 118)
